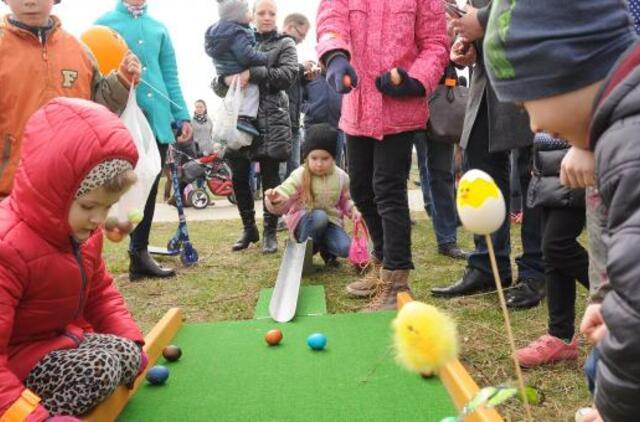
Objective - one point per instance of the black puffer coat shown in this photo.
(545, 189)
(273, 113)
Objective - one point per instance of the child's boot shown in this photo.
(246, 125)
(250, 232)
(366, 286)
(392, 282)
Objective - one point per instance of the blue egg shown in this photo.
(157, 375)
(317, 341)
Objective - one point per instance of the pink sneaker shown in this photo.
(547, 349)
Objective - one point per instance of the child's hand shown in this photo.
(274, 196)
(592, 324)
(130, 69)
(578, 169)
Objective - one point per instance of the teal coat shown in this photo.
(150, 41)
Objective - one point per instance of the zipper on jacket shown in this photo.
(73, 337)
(83, 274)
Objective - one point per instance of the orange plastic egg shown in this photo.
(273, 337)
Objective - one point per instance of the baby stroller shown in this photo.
(210, 171)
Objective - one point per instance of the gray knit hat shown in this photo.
(233, 10)
(541, 48)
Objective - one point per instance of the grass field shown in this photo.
(225, 286)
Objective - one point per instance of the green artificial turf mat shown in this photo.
(228, 373)
(310, 302)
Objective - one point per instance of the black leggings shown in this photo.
(565, 261)
(269, 173)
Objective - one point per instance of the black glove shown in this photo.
(409, 87)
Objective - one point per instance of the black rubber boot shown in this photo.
(142, 265)
(269, 240)
(250, 232)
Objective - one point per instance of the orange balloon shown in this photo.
(107, 46)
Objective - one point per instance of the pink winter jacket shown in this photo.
(379, 35)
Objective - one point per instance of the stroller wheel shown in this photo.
(232, 198)
(198, 198)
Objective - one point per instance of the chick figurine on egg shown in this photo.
(425, 338)
(480, 203)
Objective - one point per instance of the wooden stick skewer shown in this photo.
(507, 321)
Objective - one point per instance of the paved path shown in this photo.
(223, 210)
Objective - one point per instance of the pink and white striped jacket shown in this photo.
(379, 35)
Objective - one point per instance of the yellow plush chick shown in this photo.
(425, 338)
(480, 203)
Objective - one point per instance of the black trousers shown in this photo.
(497, 165)
(269, 173)
(378, 171)
(140, 236)
(565, 261)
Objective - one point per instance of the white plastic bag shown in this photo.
(225, 124)
(148, 166)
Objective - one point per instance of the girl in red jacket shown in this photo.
(66, 337)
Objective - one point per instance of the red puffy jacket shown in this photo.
(49, 284)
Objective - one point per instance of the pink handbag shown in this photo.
(359, 250)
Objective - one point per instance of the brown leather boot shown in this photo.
(366, 286)
(392, 282)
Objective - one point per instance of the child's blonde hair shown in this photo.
(121, 182)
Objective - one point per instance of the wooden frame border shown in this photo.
(458, 382)
(159, 337)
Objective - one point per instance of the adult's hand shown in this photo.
(311, 70)
(578, 169)
(468, 26)
(130, 69)
(244, 78)
(338, 69)
(592, 325)
(463, 53)
(187, 131)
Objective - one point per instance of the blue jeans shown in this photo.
(435, 161)
(591, 368)
(496, 164)
(328, 238)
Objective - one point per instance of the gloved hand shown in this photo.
(337, 68)
(408, 87)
